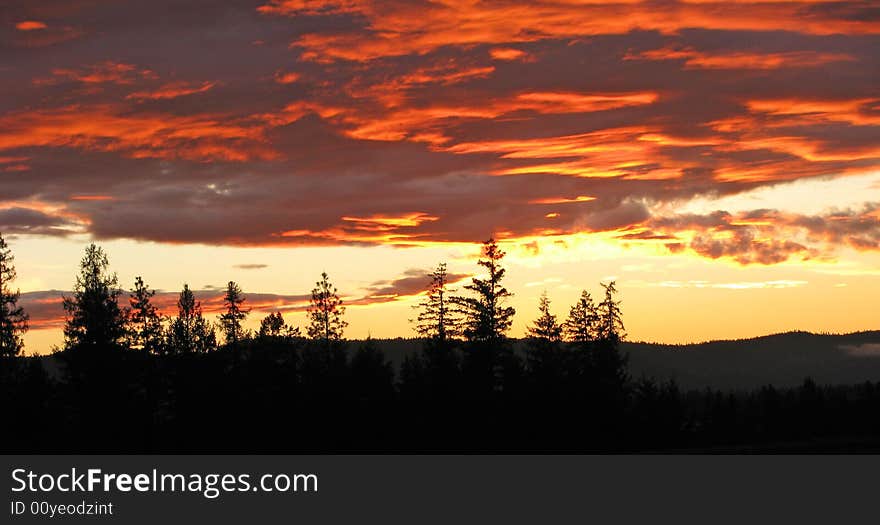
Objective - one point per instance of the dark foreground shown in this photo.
(286, 397)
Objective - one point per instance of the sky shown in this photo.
(719, 159)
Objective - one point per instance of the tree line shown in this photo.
(96, 322)
(130, 380)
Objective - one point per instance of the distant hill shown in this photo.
(780, 359)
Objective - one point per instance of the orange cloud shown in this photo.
(286, 77)
(861, 111)
(507, 53)
(808, 149)
(630, 152)
(419, 29)
(393, 91)
(109, 128)
(694, 59)
(384, 222)
(172, 90)
(14, 164)
(92, 198)
(374, 229)
(30, 25)
(104, 72)
(334, 236)
(426, 124)
(562, 200)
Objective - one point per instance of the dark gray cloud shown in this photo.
(17, 220)
(765, 236)
(103, 116)
(412, 282)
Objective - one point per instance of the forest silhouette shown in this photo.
(134, 381)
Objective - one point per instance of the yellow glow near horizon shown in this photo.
(662, 300)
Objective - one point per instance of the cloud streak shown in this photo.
(46, 310)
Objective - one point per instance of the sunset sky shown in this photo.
(719, 159)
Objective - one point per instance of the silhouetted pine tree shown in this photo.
(231, 320)
(325, 313)
(609, 365)
(581, 326)
(580, 330)
(144, 323)
(273, 326)
(324, 369)
(546, 328)
(545, 334)
(437, 318)
(13, 319)
(94, 319)
(489, 360)
(438, 322)
(485, 316)
(546, 358)
(190, 332)
(610, 316)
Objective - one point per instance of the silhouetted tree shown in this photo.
(13, 319)
(231, 320)
(609, 365)
(489, 360)
(325, 313)
(437, 319)
(273, 326)
(438, 322)
(190, 332)
(545, 328)
(94, 319)
(610, 316)
(143, 320)
(581, 325)
(485, 316)
(546, 358)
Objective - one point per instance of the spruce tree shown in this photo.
(144, 321)
(486, 318)
(438, 322)
(610, 317)
(190, 332)
(609, 364)
(489, 360)
(582, 322)
(231, 321)
(13, 319)
(545, 328)
(325, 313)
(437, 319)
(544, 354)
(95, 322)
